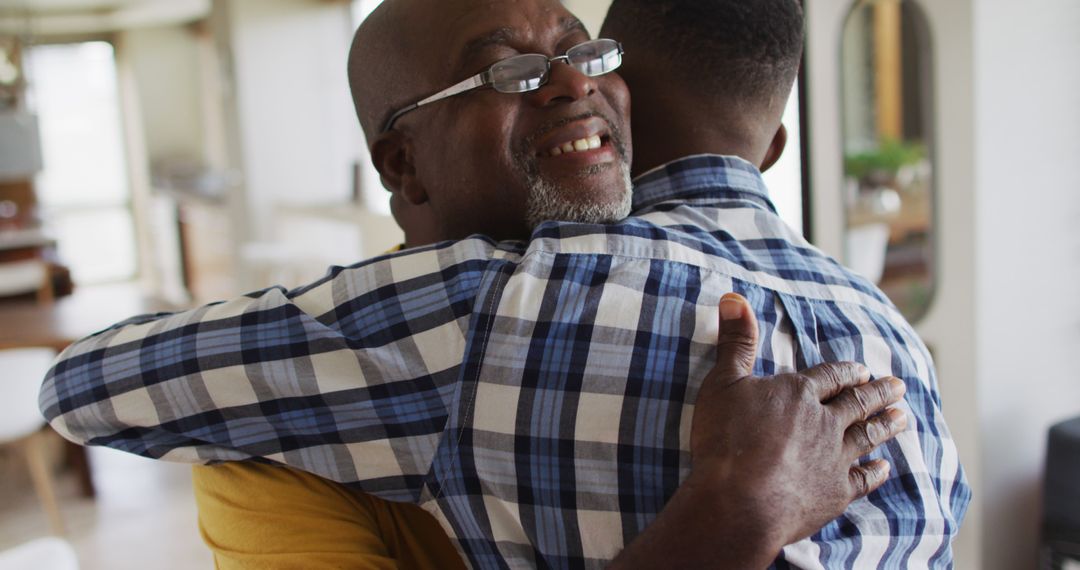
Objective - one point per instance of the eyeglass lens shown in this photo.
(520, 73)
(528, 72)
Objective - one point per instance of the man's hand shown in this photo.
(773, 459)
(783, 447)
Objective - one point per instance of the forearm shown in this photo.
(700, 527)
(327, 367)
(153, 372)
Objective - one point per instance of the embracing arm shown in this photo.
(316, 378)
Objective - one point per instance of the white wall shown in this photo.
(1027, 208)
(165, 62)
(299, 132)
(590, 12)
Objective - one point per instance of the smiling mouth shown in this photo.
(586, 136)
(580, 145)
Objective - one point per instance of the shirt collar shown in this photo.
(692, 176)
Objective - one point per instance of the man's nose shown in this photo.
(565, 85)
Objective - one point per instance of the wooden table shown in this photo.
(26, 323)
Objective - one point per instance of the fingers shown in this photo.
(737, 345)
(863, 437)
(859, 403)
(866, 478)
(829, 380)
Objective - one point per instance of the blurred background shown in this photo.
(156, 154)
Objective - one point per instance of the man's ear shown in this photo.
(393, 158)
(776, 148)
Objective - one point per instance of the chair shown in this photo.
(42, 554)
(1061, 496)
(27, 276)
(21, 373)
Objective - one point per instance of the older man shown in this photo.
(536, 398)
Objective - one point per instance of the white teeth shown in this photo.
(580, 145)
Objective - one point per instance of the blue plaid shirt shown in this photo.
(536, 398)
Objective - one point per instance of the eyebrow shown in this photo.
(506, 35)
(500, 36)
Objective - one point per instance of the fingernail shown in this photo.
(898, 386)
(897, 417)
(882, 466)
(731, 308)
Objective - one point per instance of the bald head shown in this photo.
(401, 52)
(480, 161)
(381, 61)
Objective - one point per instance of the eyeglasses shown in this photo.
(529, 72)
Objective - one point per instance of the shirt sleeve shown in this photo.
(267, 517)
(349, 378)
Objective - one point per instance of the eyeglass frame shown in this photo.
(483, 79)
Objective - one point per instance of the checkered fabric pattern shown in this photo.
(536, 398)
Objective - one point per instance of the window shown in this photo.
(83, 189)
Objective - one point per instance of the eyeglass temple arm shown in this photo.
(478, 80)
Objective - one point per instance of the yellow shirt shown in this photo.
(253, 515)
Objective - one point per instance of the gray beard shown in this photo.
(547, 202)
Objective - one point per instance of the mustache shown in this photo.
(615, 133)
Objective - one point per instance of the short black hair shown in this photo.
(737, 48)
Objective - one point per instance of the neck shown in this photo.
(668, 127)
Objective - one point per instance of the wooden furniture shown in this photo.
(18, 192)
(25, 323)
(24, 277)
(24, 267)
(27, 252)
(21, 371)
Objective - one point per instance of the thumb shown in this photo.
(736, 348)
